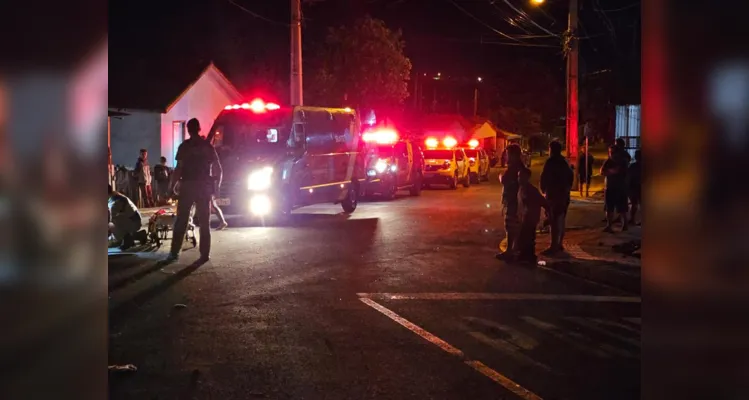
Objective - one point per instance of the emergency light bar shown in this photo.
(257, 106)
(381, 136)
(449, 142)
(473, 143)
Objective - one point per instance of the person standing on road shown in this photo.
(511, 185)
(530, 203)
(634, 183)
(143, 174)
(194, 184)
(556, 182)
(584, 171)
(615, 198)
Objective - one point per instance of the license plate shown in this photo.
(223, 202)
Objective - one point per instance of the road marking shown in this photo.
(520, 391)
(447, 347)
(597, 328)
(578, 340)
(506, 382)
(500, 296)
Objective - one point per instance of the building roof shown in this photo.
(154, 86)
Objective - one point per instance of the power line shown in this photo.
(623, 8)
(523, 13)
(258, 16)
(482, 22)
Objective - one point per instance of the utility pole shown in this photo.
(297, 97)
(573, 110)
(475, 101)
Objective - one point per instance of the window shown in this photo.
(297, 137)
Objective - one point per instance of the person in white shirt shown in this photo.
(125, 220)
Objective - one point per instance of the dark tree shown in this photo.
(361, 65)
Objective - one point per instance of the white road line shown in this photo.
(520, 391)
(500, 296)
(506, 382)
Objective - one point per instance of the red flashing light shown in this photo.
(473, 143)
(381, 136)
(256, 106)
(431, 142)
(449, 142)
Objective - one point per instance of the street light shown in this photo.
(479, 79)
(537, 2)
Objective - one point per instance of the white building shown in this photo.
(157, 107)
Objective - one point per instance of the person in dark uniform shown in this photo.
(510, 189)
(584, 171)
(634, 184)
(530, 203)
(193, 184)
(615, 197)
(556, 182)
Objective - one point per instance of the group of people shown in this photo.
(623, 186)
(194, 181)
(153, 189)
(522, 203)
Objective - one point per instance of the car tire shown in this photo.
(416, 187)
(352, 199)
(390, 193)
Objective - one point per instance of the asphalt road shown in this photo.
(402, 299)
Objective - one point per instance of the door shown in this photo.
(460, 157)
(178, 136)
(402, 162)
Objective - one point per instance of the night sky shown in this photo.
(252, 46)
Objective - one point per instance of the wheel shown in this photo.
(352, 198)
(416, 187)
(454, 182)
(391, 191)
(467, 180)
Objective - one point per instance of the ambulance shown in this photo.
(394, 163)
(279, 158)
(445, 163)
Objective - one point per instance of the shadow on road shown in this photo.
(123, 310)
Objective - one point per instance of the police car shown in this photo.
(478, 161)
(445, 163)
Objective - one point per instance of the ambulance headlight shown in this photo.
(381, 166)
(260, 179)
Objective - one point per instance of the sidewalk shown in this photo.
(606, 258)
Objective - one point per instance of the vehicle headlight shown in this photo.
(381, 166)
(260, 179)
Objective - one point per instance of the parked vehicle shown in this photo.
(445, 163)
(478, 161)
(393, 164)
(276, 159)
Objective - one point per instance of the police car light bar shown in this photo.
(431, 142)
(381, 136)
(449, 142)
(473, 143)
(257, 106)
